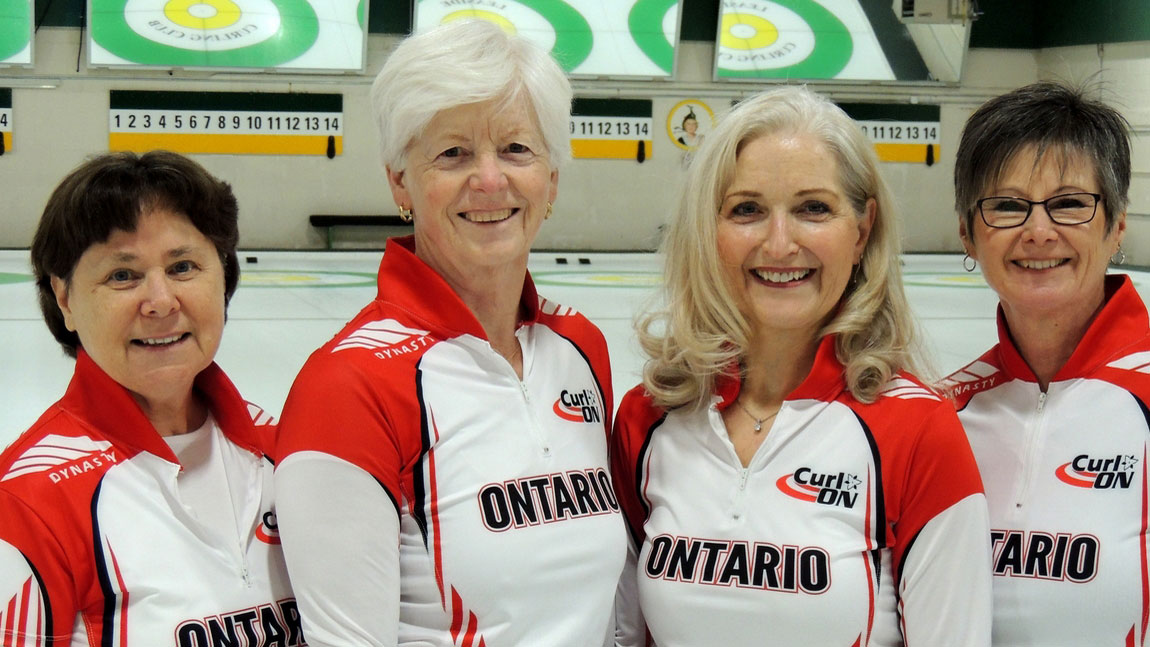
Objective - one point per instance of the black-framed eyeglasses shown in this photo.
(1002, 212)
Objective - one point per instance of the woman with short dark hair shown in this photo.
(1057, 411)
(138, 510)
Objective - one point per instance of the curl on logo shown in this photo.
(1069, 476)
(799, 491)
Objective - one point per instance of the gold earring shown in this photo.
(405, 214)
(548, 214)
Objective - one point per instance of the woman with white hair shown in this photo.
(787, 480)
(445, 475)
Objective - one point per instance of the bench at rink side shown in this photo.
(330, 222)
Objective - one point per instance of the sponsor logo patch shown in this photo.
(268, 531)
(578, 406)
(1106, 473)
(837, 489)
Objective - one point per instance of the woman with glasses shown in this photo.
(1057, 412)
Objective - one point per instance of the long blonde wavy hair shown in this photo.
(699, 333)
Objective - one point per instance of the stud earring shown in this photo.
(405, 214)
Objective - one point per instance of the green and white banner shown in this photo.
(797, 39)
(587, 37)
(286, 35)
(15, 32)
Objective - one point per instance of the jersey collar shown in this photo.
(106, 405)
(406, 281)
(1121, 322)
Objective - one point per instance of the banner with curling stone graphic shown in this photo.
(797, 39)
(281, 35)
(16, 32)
(587, 37)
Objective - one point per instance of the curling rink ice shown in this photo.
(289, 303)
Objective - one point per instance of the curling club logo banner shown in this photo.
(261, 34)
(797, 39)
(16, 32)
(587, 37)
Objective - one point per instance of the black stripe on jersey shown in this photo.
(879, 501)
(49, 637)
(590, 369)
(393, 501)
(639, 476)
(107, 637)
(417, 489)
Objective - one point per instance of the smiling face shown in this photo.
(148, 305)
(479, 180)
(1040, 268)
(787, 234)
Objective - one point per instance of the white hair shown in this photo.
(462, 63)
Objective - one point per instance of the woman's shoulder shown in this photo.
(637, 409)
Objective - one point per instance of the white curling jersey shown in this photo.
(854, 524)
(510, 533)
(1066, 480)
(97, 548)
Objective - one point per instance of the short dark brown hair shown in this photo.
(109, 193)
(1054, 117)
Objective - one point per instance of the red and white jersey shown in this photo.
(1066, 481)
(97, 548)
(509, 532)
(854, 524)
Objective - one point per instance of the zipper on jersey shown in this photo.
(536, 429)
(1033, 434)
(740, 493)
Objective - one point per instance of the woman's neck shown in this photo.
(176, 415)
(493, 296)
(775, 366)
(1047, 341)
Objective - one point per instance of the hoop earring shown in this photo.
(548, 214)
(857, 275)
(405, 214)
(1119, 256)
(971, 266)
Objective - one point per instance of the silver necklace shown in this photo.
(758, 421)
